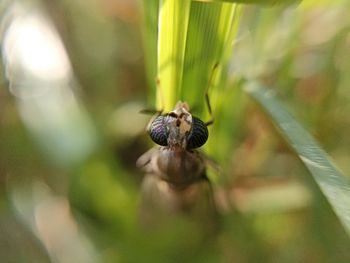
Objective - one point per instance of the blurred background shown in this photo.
(72, 83)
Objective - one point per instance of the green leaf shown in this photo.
(150, 18)
(334, 185)
(193, 39)
(173, 25)
(211, 30)
(257, 2)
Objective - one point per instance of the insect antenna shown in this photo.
(155, 112)
(207, 100)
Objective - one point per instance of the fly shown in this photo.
(179, 134)
(175, 179)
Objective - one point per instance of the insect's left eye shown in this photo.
(199, 134)
(158, 131)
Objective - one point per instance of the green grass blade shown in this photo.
(211, 30)
(334, 185)
(150, 31)
(257, 2)
(193, 37)
(173, 25)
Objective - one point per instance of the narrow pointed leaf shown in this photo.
(173, 24)
(211, 30)
(194, 45)
(257, 2)
(334, 185)
(150, 18)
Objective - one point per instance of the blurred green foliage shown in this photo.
(272, 210)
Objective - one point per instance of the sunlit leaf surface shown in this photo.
(193, 39)
(333, 184)
(257, 2)
(173, 23)
(150, 36)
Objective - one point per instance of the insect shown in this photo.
(175, 179)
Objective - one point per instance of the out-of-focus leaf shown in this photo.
(150, 13)
(41, 78)
(257, 2)
(334, 185)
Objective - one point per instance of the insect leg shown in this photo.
(207, 100)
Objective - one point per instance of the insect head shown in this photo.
(179, 128)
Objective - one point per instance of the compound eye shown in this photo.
(198, 135)
(158, 131)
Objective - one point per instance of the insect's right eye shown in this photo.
(158, 131)
(199, 134)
